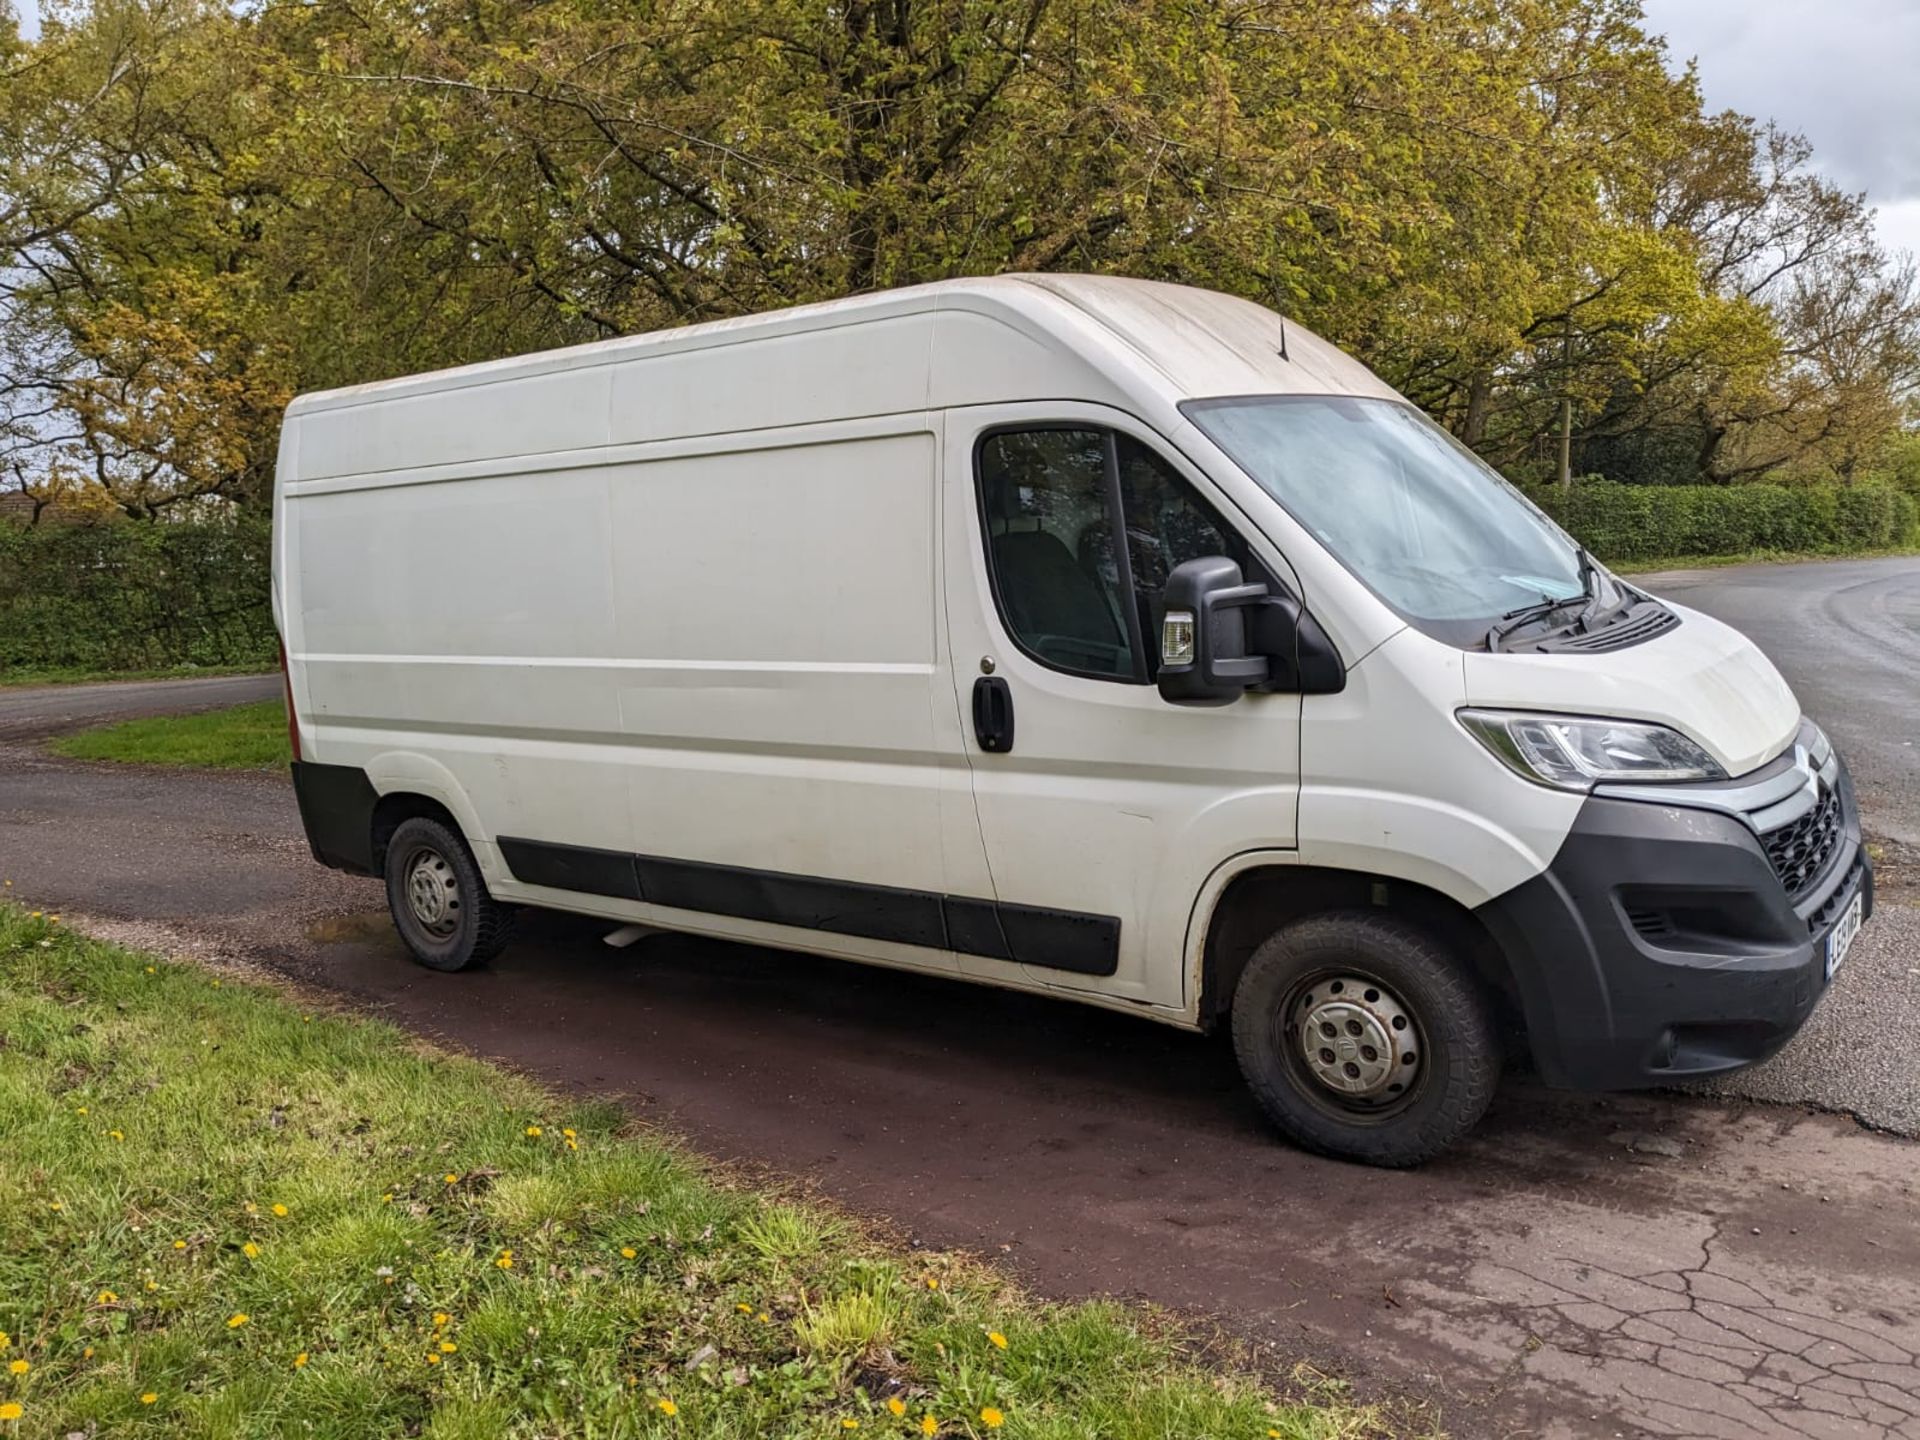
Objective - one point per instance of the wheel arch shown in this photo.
(1253, 899)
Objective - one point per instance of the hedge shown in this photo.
(130, 595)
(1645, 522)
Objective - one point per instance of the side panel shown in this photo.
(727, 659)
(777, 615)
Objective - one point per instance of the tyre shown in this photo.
(439, 902)
(1364, 1038)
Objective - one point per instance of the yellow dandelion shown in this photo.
(896, 1406)
(764, 1318)
(447, 1347)
(300, 1361)
(992, 1418)
(148, 1398)
(440, 1317)
(1272, 1434)
(55, 1205)
(667, 1407)
(250, 1250)
(80, 1110)
(216, 984)
(281, 1211)
(53, 919)
(505, 1262)
(117, 1134)
(106, 1297)
(36, 914)
(932, 1284)
(568, 1133)
(387, 1199)
(237, 1319)
(744, 1308)
(19, 1367)
(534, 1131)
(929, 1425)
(12, 1410)
(849, 1423)
(999, 1340)
(179, 1244)
(153, 1285)
(452, 1179)
(573, 1144)
(87, 1354)
(151, 970)
(433, 1359)
(6, 1340)
(627, 1252)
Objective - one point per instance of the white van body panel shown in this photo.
(1703, 678)
(1394, 786)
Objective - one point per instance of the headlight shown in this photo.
(1575, 752)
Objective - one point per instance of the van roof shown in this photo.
(1196, 342)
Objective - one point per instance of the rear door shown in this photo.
(1109, 808)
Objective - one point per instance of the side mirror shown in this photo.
(1222, 637)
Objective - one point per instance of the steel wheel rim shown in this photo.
(1352, 1045)
(433, 893)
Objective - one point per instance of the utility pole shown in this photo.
(1566, 407)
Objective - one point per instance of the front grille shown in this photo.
(1800, 850)
(1830, 908)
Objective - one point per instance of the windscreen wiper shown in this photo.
(1587, 599)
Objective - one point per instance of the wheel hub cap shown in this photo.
(433, 893)
(1357, 1038)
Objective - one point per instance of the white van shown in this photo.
(1103, 639)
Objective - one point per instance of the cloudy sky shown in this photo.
(1844, 73)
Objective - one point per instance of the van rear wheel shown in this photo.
(1363, 1038)
(439, 902)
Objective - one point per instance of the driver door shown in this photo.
(1109, 808)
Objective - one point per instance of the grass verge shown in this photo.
(14, 676)
(225, 1217)
(242, 737)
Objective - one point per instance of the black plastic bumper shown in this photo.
(336, 807)
(1661, 945)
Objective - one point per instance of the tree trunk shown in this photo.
(1473, 431)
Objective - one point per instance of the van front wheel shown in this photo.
(1364, 1039)
(439, 902)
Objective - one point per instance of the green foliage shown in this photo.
(1506, 206)
(1622, 523)
(131, 596)
(222, 1216)
(242, 737)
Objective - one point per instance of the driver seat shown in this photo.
(1045, 592)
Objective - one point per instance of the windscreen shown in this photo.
(1430, 527)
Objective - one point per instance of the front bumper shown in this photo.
(1661, 944)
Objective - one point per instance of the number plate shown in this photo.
(1840, 938)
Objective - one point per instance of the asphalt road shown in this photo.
(1648, 1265)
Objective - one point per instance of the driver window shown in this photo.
(1047, 497)
(1044, 493)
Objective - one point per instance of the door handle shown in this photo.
(993, 714)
